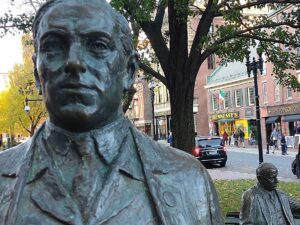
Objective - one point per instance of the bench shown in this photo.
(232, 218)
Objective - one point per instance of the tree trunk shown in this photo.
(182, 117)
(32, 129)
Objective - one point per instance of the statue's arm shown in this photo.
(246, 206)
(213, 202)
(295, 205)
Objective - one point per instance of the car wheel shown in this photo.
(222, 164)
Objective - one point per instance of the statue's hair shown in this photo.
(120, 21)
(264, 169)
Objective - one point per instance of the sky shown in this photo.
(10, 49)
(10, 52)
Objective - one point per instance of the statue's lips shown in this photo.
(77, 87)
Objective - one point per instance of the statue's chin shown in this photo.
(74, 116)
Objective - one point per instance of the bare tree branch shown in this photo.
(154, 73)
(201, 31)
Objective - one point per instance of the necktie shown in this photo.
(87, 181)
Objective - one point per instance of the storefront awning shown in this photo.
(225, 120)
(272, 119)
(291, 118)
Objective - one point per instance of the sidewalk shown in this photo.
(230, 175)
(254, 150)
(217, 174)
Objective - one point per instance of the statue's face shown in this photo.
(269, 179)
(81, 66)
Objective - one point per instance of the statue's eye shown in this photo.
(53, 44)
(98, 46)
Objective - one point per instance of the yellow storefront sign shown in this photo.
(229, 115)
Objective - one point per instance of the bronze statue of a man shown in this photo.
(87, 164)
(264, 204)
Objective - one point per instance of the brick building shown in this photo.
(140, 109)
(279, 105)
(230, 97)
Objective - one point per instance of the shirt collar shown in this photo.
(107, 140)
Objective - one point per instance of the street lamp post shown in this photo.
(27, 107)
(151, 86)
(254, 66)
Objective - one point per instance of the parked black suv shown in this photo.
(210, 150)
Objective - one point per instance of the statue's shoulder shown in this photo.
(165, 154)
(281, 192)
(251, 192)
(12, 158)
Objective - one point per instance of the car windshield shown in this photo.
(209, 142)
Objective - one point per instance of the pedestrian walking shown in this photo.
(283, 144)
(274, 140)
(252, 140)
(296, 164)
(242, 138)
(225, 137)
(236, 139)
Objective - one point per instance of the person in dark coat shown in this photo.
(225, 138)
(283, 144)
(297, 163)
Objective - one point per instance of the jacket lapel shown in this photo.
(264, 208)
(166, 197)
(115, 194)
(48, 192)
(284, 202)
(51, 197)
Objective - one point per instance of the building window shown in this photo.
(238, 98)
(211, 62)
(288, 93)
(214, 102)
(276, 91)
(227, 100)
(250, 95)
(265, 93)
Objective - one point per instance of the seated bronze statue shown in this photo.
(87, 164)
(264, 204)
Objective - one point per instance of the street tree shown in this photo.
(13, 118)
(166, 25)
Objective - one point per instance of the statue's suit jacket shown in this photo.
(255, 210)
(180, 188)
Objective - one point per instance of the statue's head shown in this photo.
(266, 174)
(84, 60)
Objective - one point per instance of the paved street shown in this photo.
(242, 163)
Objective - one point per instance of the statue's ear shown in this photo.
(36, 76)
(132, 67)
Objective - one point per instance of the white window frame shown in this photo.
(214, 102)
(236, 97)
(249, 95)
(226, 100)
(289, 93)
(265, 92)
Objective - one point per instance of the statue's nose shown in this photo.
(74, 63)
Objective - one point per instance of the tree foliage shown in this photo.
(13, 118)
(166, 25)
